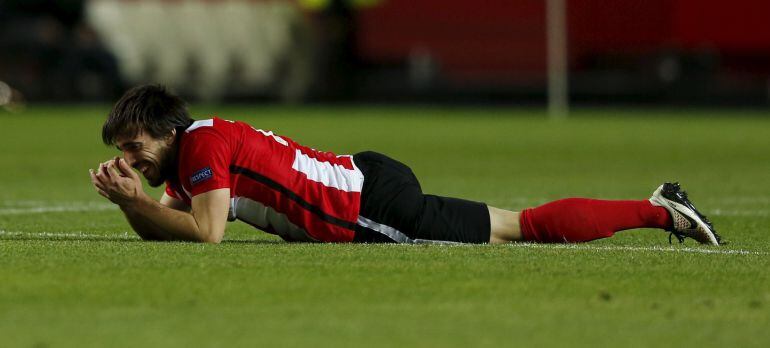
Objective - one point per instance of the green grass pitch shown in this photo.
(72, 273)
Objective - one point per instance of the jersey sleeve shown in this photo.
(205, 161)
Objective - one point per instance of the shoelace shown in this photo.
(678, 236)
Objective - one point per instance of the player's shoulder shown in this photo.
(215, 126)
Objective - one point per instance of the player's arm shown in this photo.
(143, 227)
(174, 203)
(205, 223)
(153, 220)
(148, 230)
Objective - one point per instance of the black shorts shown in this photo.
(394, 209)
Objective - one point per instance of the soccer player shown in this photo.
(217, 171)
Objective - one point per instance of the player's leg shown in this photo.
(563, 221)
(395, 209)
(573, 220)
(393, 205)
(504, 226)
(581, 219)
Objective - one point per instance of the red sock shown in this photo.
(580, 219)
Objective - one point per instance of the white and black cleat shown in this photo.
(688, 221)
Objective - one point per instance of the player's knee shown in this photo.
(504, 226)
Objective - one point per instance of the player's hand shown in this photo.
(116, 181)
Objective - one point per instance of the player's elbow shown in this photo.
(212, 237)
(212, 240)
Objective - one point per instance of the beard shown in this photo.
(167, 168)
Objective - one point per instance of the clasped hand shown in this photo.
(116, 181)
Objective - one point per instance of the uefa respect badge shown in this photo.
(201, 176)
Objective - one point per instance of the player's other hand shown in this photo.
(116, 181)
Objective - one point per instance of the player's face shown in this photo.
(152, 157)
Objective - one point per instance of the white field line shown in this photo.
(642, 249)
(739, 212)
(63, 235)
(588, 247)
(737, 200)
(57, 208)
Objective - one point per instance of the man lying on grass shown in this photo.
(217, 170)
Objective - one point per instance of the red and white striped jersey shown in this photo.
(276, 185)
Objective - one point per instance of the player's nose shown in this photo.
(131, 160)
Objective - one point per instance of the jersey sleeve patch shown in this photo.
(201, 176)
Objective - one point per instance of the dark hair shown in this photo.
(147, 108)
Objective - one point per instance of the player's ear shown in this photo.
(171, 137)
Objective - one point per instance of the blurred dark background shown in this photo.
(488, 51)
